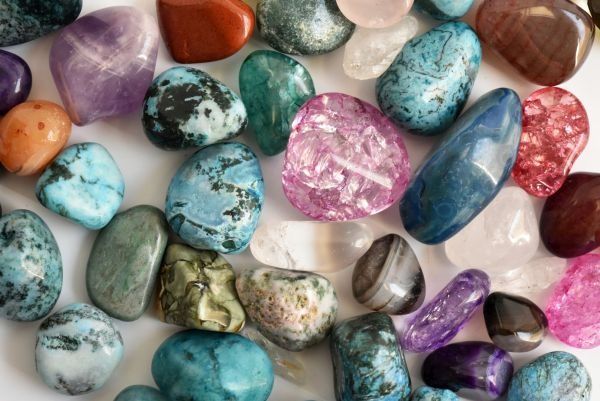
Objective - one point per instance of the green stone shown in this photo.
(124, 262)
(273, 87)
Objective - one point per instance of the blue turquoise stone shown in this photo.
(426, 393)
(444, 10)
(466, 170)
(31, 270)
(555, 376)
(197, 365)
(367, 361)
(215, 199)
(83, 184)
(429, 82)
(140, 393)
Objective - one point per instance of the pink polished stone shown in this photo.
(574, 307)
(375, 13)
(345, 159)
(555, 131)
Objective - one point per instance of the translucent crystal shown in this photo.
(535, 276)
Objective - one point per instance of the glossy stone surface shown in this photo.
(31, 267)
(555, 132)
(215, 199)
(444, 10)
(474, 369)
(273, 86)
(436, 323)
(555, 376)
(104, 62)
(429, 82)
(307, 27)
(546, 41)
(426, 393)
(15, 81)
(196, 289)
(185, 107)
(197, 365)
(532, 277)
(332, 170)
(367, 363)
(295, 310)
(198, 31)
(310, 246)
(140, 393)
(388, 277)
(466, 170)
(379, 14)
(84, 184)
(31, 135)
(594, 6)
(77, 349)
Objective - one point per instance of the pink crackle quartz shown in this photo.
(555, 131)
(345, 159)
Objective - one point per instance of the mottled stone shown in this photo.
(533, 277)
(140, 393)
(426, 393)
(382, 14)
(444, 10)
(15, 80)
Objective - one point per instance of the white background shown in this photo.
(148, 170)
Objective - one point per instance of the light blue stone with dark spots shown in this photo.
(31, 270)
(444, 10)
(555, 376)
(140, 393)
(429, 82)
(83, 184)
(466, 170)
(198, 365)
(215, 199)
(426, 393)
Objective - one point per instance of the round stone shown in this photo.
(15, 81)
(375, 14)
(140, 393)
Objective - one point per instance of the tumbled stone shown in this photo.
(333, 170)
(378, 15)
(532, 277)
(104, 62)
(444, 10)
(31, 267)
(196, 289)
(429, 82)
(185, 107)
(546, 41)
(15, 81)
(367, 362)
(215, 199)
(295, 310)
(388, 277)
(77, 349)
(140, 393)
(555, 132)
(307, 27)
(197, 365)
(84, 184)
(594, 6)
(466, 170)
(273, 86)
(426, 393)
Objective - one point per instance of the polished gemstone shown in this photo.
(444, 10)
(15, 80)
(426, 393)
(429, 82)
(546, 41)
(273, 87)
(140, 393)
(466, 170)
(555, 132)
(594, 6)
(103, 63)
(377, 14)
(388, 277)
(532, 277)
(345, 159)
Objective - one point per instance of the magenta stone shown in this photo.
(104, 62)
(345, 159)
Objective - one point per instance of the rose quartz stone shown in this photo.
(345, 159)
(555, 131)
(574, 307)
(375, 13)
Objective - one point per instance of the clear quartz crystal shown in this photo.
(535, 276)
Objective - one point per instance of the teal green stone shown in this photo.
(273, 87)
(140, 393)
(426, 393)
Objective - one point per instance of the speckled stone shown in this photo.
(140, 393)
(426, 393)
(444, 10)
(31, 270)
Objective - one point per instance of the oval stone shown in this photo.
(197, 365)
(466, 170)
(378, 15)
(426, 393)
(444, 10)
(215, 199)
(140, 393)
(15, 80)
(31, 267)
(185, 107)
(429, 82)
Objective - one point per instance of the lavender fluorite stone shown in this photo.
(435, 324)
(15, 81)
(104, 62)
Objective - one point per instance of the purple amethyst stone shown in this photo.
(15, 81)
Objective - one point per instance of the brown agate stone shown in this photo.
(545, 40)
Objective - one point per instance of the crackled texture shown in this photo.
(444, 10)
(375, 14)
(532, 277)
(15, 80)
(140, 393)
(426, 393)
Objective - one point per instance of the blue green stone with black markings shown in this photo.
(426, 393)
(444, 10)
(140, 393)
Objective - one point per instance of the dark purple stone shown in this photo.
(15, 81)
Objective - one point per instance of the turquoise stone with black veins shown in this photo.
(444, 10)
(25, 20)
(426, 393)
(367, 361)
(31, 270)
(215, 199)
(77, 349)
(185, 107)
(198, 365)
(140, 393)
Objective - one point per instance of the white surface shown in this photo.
(148, 171)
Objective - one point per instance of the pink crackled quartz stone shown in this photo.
(345, 159)
(555, 131)
(574, 307)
